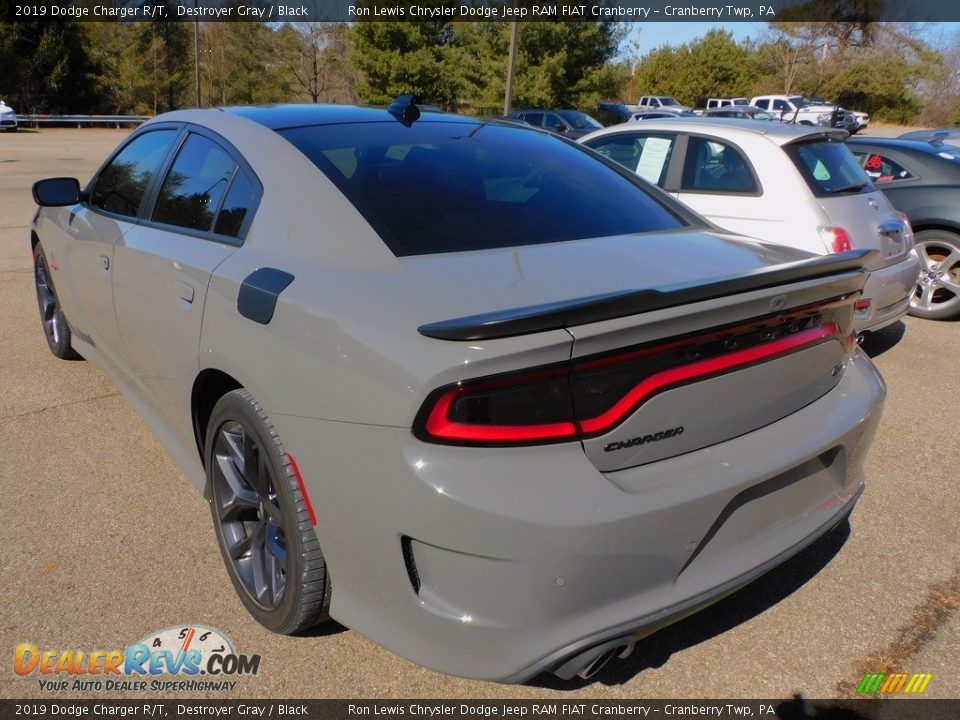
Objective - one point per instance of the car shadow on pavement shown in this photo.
(325, 629)
(877, 343)
(748, 602)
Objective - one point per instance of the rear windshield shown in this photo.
(445, 187)
(829, 168)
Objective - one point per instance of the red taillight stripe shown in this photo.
(699, 369)
(303, 488)
(440, 426)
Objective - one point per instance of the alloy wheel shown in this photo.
(248, 513)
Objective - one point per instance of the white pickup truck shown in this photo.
(660, 102)
(794, 108)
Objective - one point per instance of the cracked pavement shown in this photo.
(106, 541)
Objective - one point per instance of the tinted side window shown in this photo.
(716, 167)
(646, 155)
(534, 119)
(122, 184)
(553, 122)
(880, 168)
(191, 192)
(237, 204)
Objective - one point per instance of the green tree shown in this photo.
(165, 47)
(45, 67)
(400, 57)
(118, 71)
(714, 65)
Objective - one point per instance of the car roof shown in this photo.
(278, 117)
(779, 133)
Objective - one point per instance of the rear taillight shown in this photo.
(524, 408)
(590, 397)
(836, 239)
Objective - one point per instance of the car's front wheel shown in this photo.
(937, 296)
(261, 519)
(56, 331)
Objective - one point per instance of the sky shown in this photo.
(653, 35)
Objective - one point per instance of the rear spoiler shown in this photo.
(582, 311)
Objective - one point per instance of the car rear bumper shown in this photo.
(502, 563)
(889, 290)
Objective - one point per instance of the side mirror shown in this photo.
(560, 128)
(56, 192)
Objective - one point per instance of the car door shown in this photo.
(718, 181)
(114, 199)
(198, 218)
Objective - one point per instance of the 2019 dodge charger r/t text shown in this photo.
(445, 381)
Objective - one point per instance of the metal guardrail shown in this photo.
(81, 120)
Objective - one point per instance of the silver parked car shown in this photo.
(8, 118)
(446, 381)
(787, 184)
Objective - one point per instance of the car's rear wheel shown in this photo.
(54, 323)
(261, 519)
(937, 295)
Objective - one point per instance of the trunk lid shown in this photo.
(656, 369)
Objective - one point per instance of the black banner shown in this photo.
(573, 709)
(491, 10)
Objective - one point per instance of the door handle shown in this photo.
(105, 262)
(185, 291)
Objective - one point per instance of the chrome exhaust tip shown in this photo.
(590, 662)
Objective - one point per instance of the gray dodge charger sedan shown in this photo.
(466, 387)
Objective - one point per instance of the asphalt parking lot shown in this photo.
(106, 541)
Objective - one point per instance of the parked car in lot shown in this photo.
(943, 136)
(494, 403)
(659, 102)
(741, 112)
(613, 113)
(572, 123)
(8, 118)
(922, 179)
(662, 114)
(802, 111)
(789, 184)
(703, 104)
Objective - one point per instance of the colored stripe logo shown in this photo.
(893, 683)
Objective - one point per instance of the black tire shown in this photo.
(937, 296)
(56, 329)
(261, 521)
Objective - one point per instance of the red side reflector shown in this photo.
(862, 304)
(303, 488)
